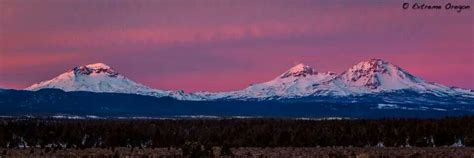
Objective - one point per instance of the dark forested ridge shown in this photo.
(50, 102)
(57, 133)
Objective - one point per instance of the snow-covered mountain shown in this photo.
(373, 88)
(99, 77)
(94, 78)
(369, 77)
(296, 82)
(373, 77)
(376, 76)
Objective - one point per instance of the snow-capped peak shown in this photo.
(299, 70)
(371, 76)
(93, 69)
(375, 75)
(297, 81)
(100, 77)
(378, 74)
(95, 78)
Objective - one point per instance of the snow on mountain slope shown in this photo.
(377, 75)
(368, 77)
(296, 82)
(102, 78)
(95, 78)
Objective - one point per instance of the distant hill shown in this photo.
(50, 102)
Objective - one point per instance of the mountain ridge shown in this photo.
(100, 77)
(54, 102)
(367, 77)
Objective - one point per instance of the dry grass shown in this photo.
(284, 152)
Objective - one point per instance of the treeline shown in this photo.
(49, 133)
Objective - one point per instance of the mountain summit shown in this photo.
(100, 77)
(299, 70)
(295, 82)
(377, 74)
(94, 69)
(372, 77)
(93, 78)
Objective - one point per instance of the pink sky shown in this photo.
(217, 45)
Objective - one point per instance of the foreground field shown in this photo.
(285, 152)
(64, 133)
(26, 137)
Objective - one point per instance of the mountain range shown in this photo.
(369, 89)
(371, 77)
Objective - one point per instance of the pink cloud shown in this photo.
(226, 45)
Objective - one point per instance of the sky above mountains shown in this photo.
(219, 45)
